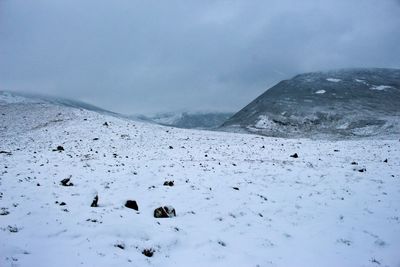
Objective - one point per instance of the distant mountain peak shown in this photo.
(189, 120)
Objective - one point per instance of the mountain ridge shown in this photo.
(342, 103)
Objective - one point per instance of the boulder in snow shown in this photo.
(132, 204)
(164, 212)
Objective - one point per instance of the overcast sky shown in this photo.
(155, 56)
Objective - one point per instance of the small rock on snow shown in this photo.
(169, 183)
(148, 252)
(66, 182)
(94, 202)
(132, 204)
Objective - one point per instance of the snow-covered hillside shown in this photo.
(240, 200)
(341, 104)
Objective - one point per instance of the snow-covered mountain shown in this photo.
(240, 200)
(340, 104)
(189, 120)
(25, 98)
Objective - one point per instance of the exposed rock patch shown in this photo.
(164, 212)
(132, 204)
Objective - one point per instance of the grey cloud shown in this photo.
(149, 56)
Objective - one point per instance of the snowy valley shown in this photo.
(240, 200)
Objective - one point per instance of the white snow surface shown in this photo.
(264, 123)
(334, 80)
(380, 87)
(241, 200)
(361, 81)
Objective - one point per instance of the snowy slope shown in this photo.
(241, 200)
(18, 97)
(341, 104)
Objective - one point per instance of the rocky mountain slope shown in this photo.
(335, 104)
(239, 200)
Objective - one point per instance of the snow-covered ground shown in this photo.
(334, 80)
(320, 92)
(380, 87)
(241, 200)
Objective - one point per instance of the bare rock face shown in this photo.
(164, 212)
(132, 204)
